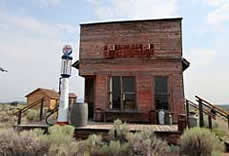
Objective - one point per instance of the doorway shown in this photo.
(89, 96)
(161, 93)
(122, 92)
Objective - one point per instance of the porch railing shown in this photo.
(208, 109)
(28, 107)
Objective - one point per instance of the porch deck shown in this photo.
(166, 132)
(132, 127)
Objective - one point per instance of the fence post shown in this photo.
(41, 109)
(201, 116)
(187, 113)
(209, 121)
(19, 118)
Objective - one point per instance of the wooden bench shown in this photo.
(128, 116)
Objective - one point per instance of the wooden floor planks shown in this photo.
(132, 127)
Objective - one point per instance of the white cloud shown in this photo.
(31, 51)
(219, 15)
(206, 75)
(3, 26)
(31, 63)
(35, 26)
(68, 28)
(134, 9)
(200, 57)
(47, 3)
(215, 2)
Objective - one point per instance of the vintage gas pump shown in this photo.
(66, 66)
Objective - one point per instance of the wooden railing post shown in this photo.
(41, 109)
(181, 122)
(209, 122)
(201, 116)
(187, 113)
(19, 118)
(228, 121)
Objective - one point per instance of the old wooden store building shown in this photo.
(133, 69)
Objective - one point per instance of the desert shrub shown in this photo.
(60, 141)
(24, 143)
(174, 149)
(119, 131)
(72, 149)
(33, 115)
(201, 142)
(146, 143)
(114, 148)
(6, 118)
(61, 134)
(95, 146)
(220, 132)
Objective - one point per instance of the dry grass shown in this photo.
(7, 119)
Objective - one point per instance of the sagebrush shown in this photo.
(201, 142)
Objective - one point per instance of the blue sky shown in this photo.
(33, 32)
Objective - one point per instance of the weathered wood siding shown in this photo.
(164, 41)
(36, 97)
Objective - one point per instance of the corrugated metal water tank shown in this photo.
(79, 114)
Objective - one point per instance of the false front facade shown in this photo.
(132, 69)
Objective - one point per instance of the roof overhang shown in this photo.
(76, 64)
(185, 64)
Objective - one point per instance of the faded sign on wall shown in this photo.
(129, 51)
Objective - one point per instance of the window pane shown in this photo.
(161, 85)
(161, 93)
(129, 93)
(116, 92)
(128, 84)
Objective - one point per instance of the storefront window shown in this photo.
(122, 93)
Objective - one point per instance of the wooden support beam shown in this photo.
(19, 118)
(228, 121)
(201, 116)
(41, 109)
(209, 122)
(187, 113)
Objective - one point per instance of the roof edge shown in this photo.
(129, 21)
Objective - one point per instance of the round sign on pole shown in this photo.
(67, 50)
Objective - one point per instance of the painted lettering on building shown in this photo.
(129, 51)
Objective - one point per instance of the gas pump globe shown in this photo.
(66, 64)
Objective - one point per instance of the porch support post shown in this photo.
(187, 113)
(228, 121)
(209, 122)
(201, 115)
(41, 109)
